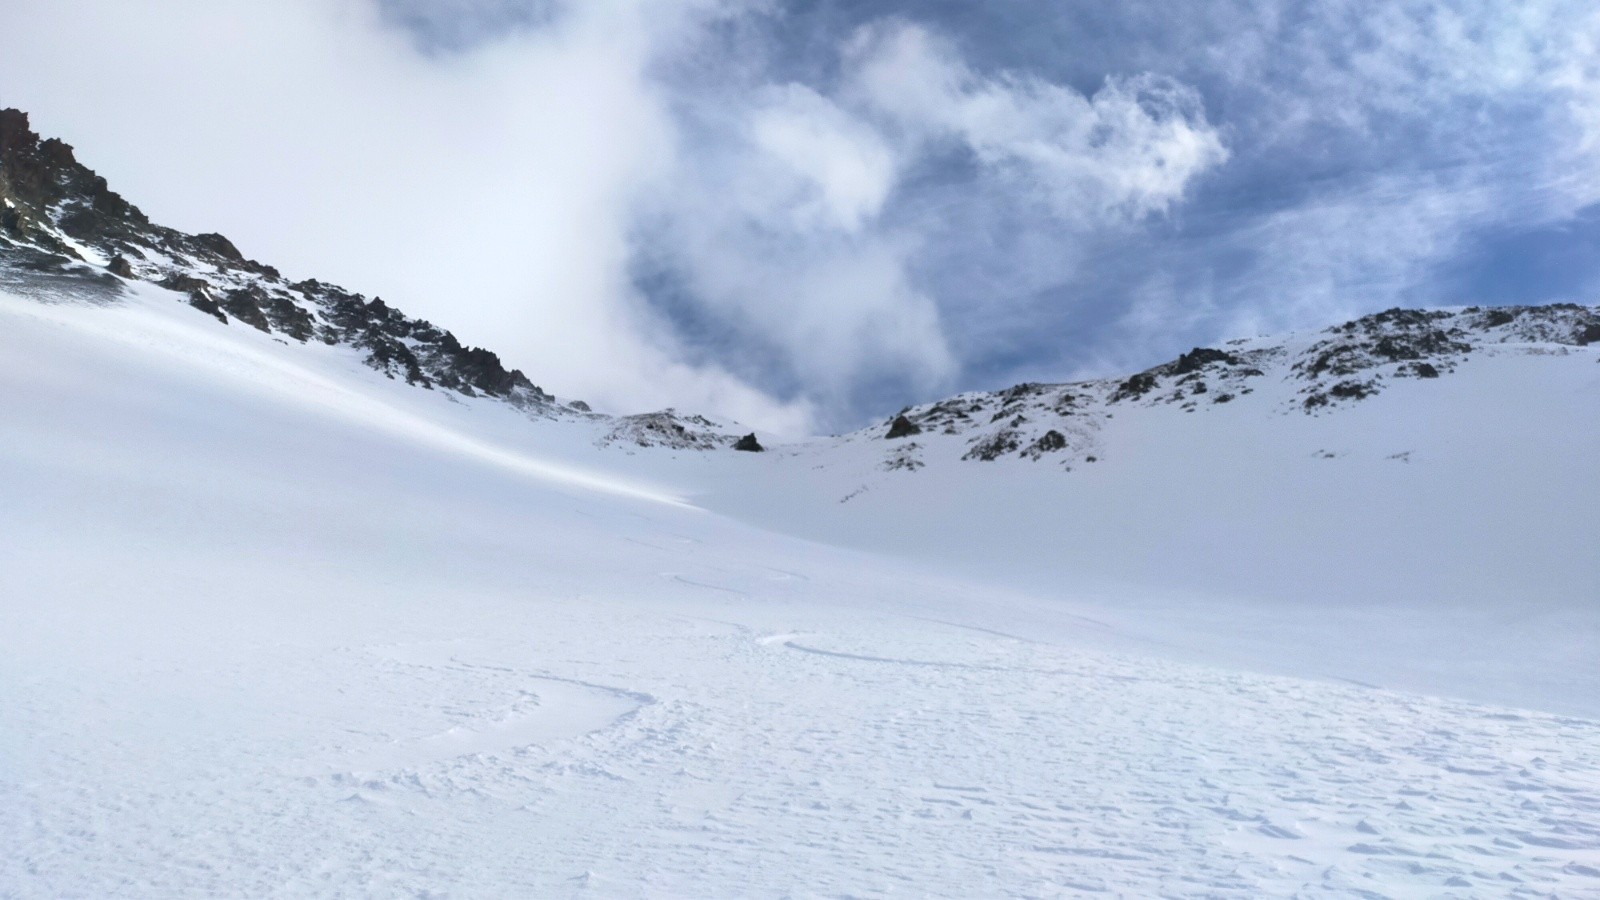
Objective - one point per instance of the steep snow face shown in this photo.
(272, 623)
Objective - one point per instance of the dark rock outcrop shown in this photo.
(994, 446)
(51, 203)
(1135, 387)
(44, 187)
(1199, 358)
(902, 427)
(749, 444)
(1050, 442)
(219, 245)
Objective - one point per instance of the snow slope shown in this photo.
(271, 623)
(1437, 536)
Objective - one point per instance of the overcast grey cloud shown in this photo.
(804, 213)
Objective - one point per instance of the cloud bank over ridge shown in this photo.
(801, 213)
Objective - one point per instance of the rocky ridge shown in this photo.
(61, 223)
(64, 232)
(670, 429)
(1325, 371)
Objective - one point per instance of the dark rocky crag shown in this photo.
(1325, 372)
(57, 216)
(902, 427)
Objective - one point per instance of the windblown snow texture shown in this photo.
(276, 617)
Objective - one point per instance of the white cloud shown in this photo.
(498, 189)
(1373, 147)
(490, 192)
(784, 227)
(844, 168)
(1134, 147)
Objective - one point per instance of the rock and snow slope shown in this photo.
(1433, 533)
(273, 622)
(58, 220)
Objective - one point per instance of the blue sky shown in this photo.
(807, 214)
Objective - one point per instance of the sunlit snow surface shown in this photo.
(273, 625)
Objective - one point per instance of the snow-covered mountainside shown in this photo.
(1324, 372)
(1403, 500)
(62, 226)
(1311, 615)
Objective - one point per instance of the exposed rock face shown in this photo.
(902, 427)
(988, 448)
(667, 429)
(1135, 387)
(1190, 371)
(1345, 365)
(749, 444)
(1356, 360)
(1323, 372)
(47, 192)
(1051, 441)
(1198, 359)
(60, 222)
(219, 245)
(58, 215)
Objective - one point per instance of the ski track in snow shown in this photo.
(880, 757)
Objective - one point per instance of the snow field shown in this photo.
(862, 755)
(265, 630)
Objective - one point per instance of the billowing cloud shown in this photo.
(488, 190)
(799, 225)
(836, 170)
(1378, 147)
(802, 214)
(1133, 147)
